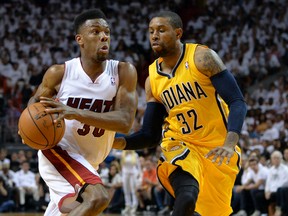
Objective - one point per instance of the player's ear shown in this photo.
(179, 32)
(78, 38)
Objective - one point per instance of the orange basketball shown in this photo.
(38, 129)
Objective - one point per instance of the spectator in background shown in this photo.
(14, 163)
(131, 169)
(6, 202)
(270, 134)
(273, 92)
(4, 156)
(241, 179)
(8, 176)
(277, 177)
(259, 92)
(25, 181)
(163, 200)
(13, 114)
(285, 156)
(6, 70)
(281, 202)
(21, 156)
(274, 64)
(44, 195)
(253, 188)
(104, 171)
(114, 188)
(149, 181)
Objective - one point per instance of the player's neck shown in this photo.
(93, 69)
(170, 61)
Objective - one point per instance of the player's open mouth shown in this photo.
(104, 49)
(154, 45)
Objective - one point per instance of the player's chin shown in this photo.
(156, 53)
(102, 57)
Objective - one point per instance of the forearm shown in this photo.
(251, 187)
(118, 121)
(226, 86)
(237, 113)
(141, 140)
(150, 133)
(136, 141)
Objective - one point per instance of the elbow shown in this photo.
(124, 131)
(239, 105)
(125, 126)
(153, 138)
(156, 139)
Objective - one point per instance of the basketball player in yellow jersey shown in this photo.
(204, 110)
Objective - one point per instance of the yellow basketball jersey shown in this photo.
(197, 114)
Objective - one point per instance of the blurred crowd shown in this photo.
(249, 35)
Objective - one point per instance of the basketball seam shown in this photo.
(38, 127)
(23, 133)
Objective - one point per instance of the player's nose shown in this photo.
(104, 36)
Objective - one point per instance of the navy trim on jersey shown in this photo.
(221, 110)
(158, 68)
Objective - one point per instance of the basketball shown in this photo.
(38, 129)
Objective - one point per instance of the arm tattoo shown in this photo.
(212, 63)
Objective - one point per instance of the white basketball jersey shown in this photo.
(79, 91)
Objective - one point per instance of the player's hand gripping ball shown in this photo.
(38, 129)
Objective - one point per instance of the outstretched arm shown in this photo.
(150, 133)
(209, 63)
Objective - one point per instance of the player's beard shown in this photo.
(161, 53)
(101, 57)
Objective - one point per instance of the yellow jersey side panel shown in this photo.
(215, 182)
(197, 114)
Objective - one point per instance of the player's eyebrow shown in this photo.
(157, 26)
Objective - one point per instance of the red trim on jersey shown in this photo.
(60, 204)
(72, 170)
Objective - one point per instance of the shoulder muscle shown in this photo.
(54, 75)
(127, 75)
(51, 82)
(207, 61)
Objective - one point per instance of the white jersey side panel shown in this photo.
(79, 91)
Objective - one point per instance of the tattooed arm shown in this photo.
(209, 63)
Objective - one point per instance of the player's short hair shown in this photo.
(174, 19)
(86, 15)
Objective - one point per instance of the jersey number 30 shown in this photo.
(86, 129)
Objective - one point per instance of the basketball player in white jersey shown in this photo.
(96, 97)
